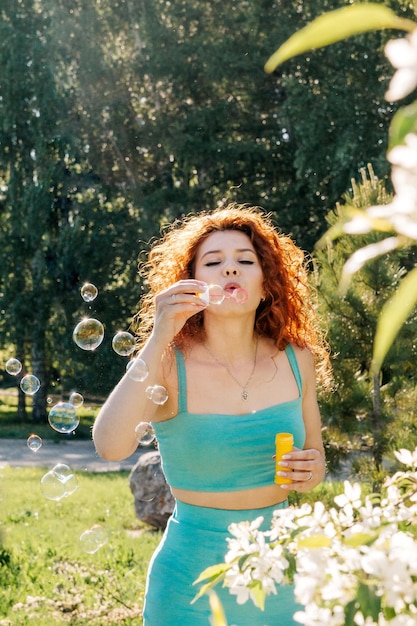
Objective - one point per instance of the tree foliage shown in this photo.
(363, 405)
(118, 117)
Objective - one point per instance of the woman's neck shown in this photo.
(231, 340)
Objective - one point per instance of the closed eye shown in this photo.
(246, 262)
(210, 263)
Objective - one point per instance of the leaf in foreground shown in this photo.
(335, 26)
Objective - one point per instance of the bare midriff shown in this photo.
(256, 498)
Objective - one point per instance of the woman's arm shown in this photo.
(308, 465)
(114, 428)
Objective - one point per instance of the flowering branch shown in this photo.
(352, 565)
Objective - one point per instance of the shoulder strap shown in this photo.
(182, 381)
(289, 351)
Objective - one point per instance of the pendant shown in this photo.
(244, 394)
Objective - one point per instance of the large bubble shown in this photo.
(13, 366)
(63, 417)
(157, 394)
(30, 384)
(137, 370)
(123, 343)
(59, 482)
(89, 292)
(93, 539)
(88, 334)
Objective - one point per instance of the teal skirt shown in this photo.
(194, 539)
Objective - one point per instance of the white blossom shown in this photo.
(351, 495)
(402, 54)
(405, 456)
(336, 551)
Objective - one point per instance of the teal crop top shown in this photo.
(219, 452)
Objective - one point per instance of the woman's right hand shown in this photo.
(176, 304)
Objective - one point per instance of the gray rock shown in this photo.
(154, 502)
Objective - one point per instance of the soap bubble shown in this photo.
(76, 399)
(63, 417)
(67, 477)
(88, 334)
(138, 370)
(240, 295)
(145, 433)
(157, 394)
(51, 487)
(13, 367)
(59, 482)
(30, 384)
(123, 343)
(212, 294)
(215, 294)
(34, 442)
(89, 292)
(93, 539)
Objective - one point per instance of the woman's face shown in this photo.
(228, 258)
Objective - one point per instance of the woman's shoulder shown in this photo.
(305, 359)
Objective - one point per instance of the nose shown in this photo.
(229, 270)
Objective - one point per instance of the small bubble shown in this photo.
(88, 334)
(123, 343)
(76, 399)
(63, 417)
(34, 442)
(157, 394)
(93, 539)
(138, 370)
(240, 295)
(30, 384)
(13, 367)
(215, 294)
(145, 433)
(89, 292)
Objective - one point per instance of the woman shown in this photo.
(235, 374)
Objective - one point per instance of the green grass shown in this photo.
(45, 576)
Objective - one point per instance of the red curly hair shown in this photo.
(287, 314)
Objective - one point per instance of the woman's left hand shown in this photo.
(308, 469)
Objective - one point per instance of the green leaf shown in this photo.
(335, 26)
(369, 602)
(217, 613)
(393, 316)
(403, 123)
(213, 575)
(214, 571)
(359, 539)
(258, 594)
(315, 541)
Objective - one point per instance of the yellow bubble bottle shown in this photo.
(283, 444)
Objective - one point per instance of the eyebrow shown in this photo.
(237, 250)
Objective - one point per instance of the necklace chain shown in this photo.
(244, 393)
